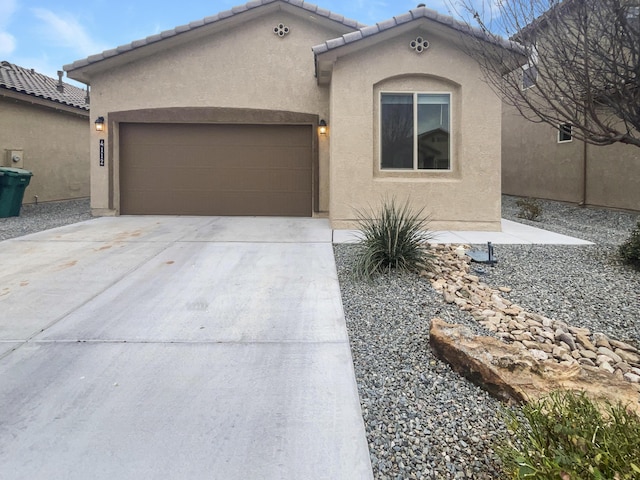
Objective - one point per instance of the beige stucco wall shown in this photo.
(246, 67)
(534, 164)
(55, 146)
(613, 176)
(465, 198)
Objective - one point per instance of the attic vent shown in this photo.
(419, 44)
(281, 30)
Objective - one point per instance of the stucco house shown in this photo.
(44, 127)
(546, 160)
(227, 115)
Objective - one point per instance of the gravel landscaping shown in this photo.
(422, 419)
(43, 216)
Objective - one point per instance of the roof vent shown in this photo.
(419, 45)
(60, 85)
(281, 30)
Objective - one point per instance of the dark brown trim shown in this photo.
(218, 115)
(212, 115)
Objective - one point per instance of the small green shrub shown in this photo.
(530, 208)
(566, 436)
(394, 238)
(630, 249)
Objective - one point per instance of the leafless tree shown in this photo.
(579, 63)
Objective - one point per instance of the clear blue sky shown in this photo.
(47, 34)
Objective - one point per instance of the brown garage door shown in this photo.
(196, 169)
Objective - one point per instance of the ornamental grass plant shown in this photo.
(394, 238)
(530, 208)
(569, 437)
(630, 250)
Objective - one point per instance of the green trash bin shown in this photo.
(13, 182)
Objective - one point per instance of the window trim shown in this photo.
(525, 74)
(532, 63)
(562, 131)
(415, 169)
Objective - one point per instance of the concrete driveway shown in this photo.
(176, 348)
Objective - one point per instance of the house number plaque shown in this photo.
(102, 152)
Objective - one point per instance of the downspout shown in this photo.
(584, 175)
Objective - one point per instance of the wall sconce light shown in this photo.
(322, 127)
(100, 124)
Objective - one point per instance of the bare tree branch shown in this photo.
(581, 62)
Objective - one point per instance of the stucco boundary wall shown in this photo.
(535, 164)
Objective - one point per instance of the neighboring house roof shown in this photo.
(340, 20)
(29, 82)
(539, 22)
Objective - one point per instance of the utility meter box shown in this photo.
(14, 158)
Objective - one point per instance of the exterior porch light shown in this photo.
(100, 124)
(322, 127)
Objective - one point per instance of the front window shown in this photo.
(415, 131)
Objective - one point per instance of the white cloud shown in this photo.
(7, 41)
(67, 32)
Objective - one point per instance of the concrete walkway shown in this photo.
(512, 233)
(177, 348)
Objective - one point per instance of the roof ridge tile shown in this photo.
(412, 15)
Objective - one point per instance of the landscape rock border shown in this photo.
(541, 338)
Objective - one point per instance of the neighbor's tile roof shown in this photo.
(311, 8)
(415, 14)
(30, 82)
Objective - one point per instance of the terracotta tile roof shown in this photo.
(415, 14)
(311, 8)
(30, 82)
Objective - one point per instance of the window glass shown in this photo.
(433, 132)
(414, 131)
(396, 131)
(529, 76)
(564, 132)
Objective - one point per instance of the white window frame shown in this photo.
(532, 64)
(415, 168)
(561, 131)
(526, 74)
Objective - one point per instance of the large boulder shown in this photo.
(515, 374)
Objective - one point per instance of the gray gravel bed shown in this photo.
(585, 286)
(422, 419)
(35, 218)
(599, 225)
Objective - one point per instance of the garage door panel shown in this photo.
(219, 203)
(241, 156)
(218, 179)
(195, 134)
(218, 157)
(179, 169)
